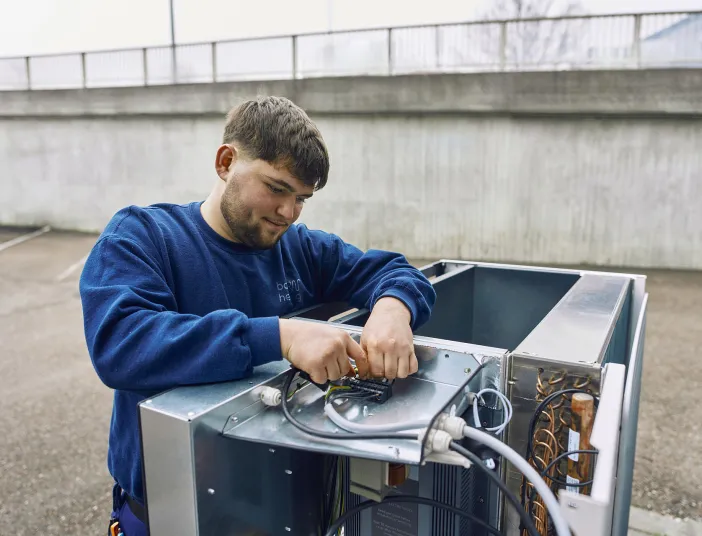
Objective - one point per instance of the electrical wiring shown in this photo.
(362, 432)
(528, 471)
(411, 499)
(506, 405)
(328, 435)
(511, 497)
(544, 473)
(545, 402)
(532, 425)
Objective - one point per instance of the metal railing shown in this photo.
(629, 41)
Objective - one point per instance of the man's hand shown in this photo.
(320, 350)
(388, 342)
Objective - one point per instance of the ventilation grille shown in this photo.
(444, 490)
(467, 500)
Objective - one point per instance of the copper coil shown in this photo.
(562, 400)
(553, 380)
(578, 385)
(548, 433)
(563, 421)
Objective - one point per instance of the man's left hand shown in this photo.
(388, 342)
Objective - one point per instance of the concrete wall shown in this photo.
(589, 167)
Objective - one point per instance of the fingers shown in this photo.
(413, 363)
(390, 359)
(333, 370)
(403, 367)
(355, 352)
(376, 360)
(318, 375)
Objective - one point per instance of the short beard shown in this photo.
(237, 217)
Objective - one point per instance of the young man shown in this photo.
(188, 294)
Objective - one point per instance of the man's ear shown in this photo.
(226, 158)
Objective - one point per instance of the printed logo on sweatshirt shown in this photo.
(289, 291)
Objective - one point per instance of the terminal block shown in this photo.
(382, 389)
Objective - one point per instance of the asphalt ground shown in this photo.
(55, 413)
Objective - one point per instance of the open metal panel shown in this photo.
(528, 318)
(219, 461)
(629, 426)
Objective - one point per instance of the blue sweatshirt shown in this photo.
(168, 302)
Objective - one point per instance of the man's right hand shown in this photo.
(320, 350)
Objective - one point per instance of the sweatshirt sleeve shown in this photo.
(138, 341)
(362, 278)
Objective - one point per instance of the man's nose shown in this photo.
(286, 210)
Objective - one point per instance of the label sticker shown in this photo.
(572, 480)
(573, 444)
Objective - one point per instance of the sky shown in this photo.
(32, 27)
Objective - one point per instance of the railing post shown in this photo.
(389, 51)
(145, 64)
(29, 72)
(82, 65)
(437, 36)
(637, 40)
(503, 45)
(214, 62)
(174, 70)
(294, 57)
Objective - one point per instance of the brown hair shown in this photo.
(279, 132)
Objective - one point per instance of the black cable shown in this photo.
(545, 402)
(532, 425)
(560, 457)
(527, 522)
(328, 435)
(330, 492)
(408, 498)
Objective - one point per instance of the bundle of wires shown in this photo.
(397, 432)
(527, 502)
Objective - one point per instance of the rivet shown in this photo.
(466, 370)
(210, 491)
(271, 450)
(288, 472)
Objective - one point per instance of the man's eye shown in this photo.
(301, 200)
(274, 189)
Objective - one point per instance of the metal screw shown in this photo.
(271, 450)
(210, 491)
(288, 472)
(466, 370)
(288, 529)
(446, 355)
(235, 419)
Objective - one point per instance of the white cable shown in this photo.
(552, 505)
(506, 405)
(351, 426)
